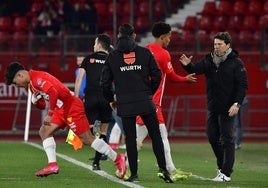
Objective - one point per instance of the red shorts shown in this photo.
(159, 116)
(72, 115)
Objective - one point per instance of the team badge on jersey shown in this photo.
(130, 58)
(39, 81)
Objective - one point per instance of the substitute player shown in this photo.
(64, 109)
(162, 33)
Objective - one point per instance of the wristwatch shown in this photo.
(238, 105)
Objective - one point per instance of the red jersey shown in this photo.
(163, 60)
(68, 109)
(41, 82)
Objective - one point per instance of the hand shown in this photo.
(185, 60)
(47, 120)
(233, 110)
(191, 78)
(113, 106)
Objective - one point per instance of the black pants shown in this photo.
(220, 132)
(152, 124)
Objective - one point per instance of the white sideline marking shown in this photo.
(200, 177)
(89, 167)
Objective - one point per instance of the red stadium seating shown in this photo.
(158, 9)
(118, 9)
(225, 8)
(209, 8)
(101, 9)
(206, 23)
(5, 23)
(245, 39)
(263, 22)
(203, 40)
(265, 8)
(250, 22)
(4, 38)
(141, 24)
(20, 40)
(240, 8)
(190, 23)
(187, 39)
(143, 9)
(221, 23)
(21, 24)
(37, 7)
(236, 22)
(255, 7)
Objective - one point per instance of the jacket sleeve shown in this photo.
(241, 82)
(198, 67)
(106, 81)
(155, 74)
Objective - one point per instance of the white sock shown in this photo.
(49, 146)
(102, 147)
(169, 163)
(141, 134)
(115, 134)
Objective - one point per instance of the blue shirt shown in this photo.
(83, 84)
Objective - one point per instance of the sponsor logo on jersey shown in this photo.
(129, 58)
(130, 68)
(93, 60)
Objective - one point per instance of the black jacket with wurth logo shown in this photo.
(136, 77)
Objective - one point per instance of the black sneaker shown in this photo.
(133, 178)
(164, 174)
(96, 166)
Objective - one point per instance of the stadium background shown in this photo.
(194, 22)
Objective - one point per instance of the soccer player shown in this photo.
(96, 107)
(136, 77)
(64, 109)
(162, 33)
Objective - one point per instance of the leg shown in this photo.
(152, 125)
(226, 131)
(213, 134)
(142, 133)
(101, 146)
(49, 145)
(131, 146)
(96, 162)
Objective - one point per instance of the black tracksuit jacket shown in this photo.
(136, 78)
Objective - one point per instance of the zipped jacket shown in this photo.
(225, 84)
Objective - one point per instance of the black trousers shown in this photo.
(220, 132)
(152, 124)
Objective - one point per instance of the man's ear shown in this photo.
(134, 36)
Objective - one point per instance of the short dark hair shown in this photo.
(105, 41)
(160, 28)
(126, 30)
(225, 36)
(11, 71)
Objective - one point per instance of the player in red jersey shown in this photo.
(162, 33)
(64, 109)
